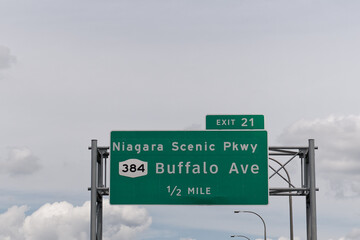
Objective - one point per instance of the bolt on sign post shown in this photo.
(189, 167)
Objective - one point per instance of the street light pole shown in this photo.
(238, 211)
(240, 236)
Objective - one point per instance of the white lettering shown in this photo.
(242, 168)
(235, 147)
(196, 169)
(244, 147)
(225, 122)
(253, 147)
(159, 168)
(137, 147)
(255, 169)
(199, 191)
(239, 146)
(190, 147)
(169, 170)
(212, 147)
(204, 164)
(186, 168)
(116, 145)
(199, 147)
(180, 166)
(175, 146)
(226, 145)
(129, 148)
(187, 165)
(234, 168)
(214, 169)
(183, 147)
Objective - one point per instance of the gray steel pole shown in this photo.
(99, 212)
(258, 216)
(307, 198)
(94, 154)
(99, 206)
(311, 197)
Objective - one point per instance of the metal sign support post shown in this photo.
(98, 188)
(311, 196)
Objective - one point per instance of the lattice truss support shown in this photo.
(279, 159)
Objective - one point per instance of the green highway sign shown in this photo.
(246, 122)
(189, 167)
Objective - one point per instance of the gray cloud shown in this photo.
(62, 220)
(194, 126)
(20, 161)
(338, 157)
(6, 59)
(353, 235)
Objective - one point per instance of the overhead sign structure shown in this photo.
(189, 167)
(244, 122)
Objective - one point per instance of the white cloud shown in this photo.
(353, 235)
(6, 59)
(59, 220)
(338, 157)
(11, 223)
(283, 238)
(20, 161)
(187, 239)
(124, 222)
(286, 238)
(63, 221)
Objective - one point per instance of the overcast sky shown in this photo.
(72, 71)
